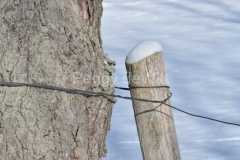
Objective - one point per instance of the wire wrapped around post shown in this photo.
(155, 123)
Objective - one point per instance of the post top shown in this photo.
(143, 50)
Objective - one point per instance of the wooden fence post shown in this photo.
(156, 130)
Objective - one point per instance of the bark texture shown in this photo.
(54, 42)
(155, 122)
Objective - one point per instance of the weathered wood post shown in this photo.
(156, 130)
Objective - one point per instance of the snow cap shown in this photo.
(143, 50)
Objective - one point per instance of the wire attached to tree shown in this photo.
(107, 95)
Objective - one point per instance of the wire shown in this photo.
(107, 95)
(134, 87)
(199, 116)
(123, 88)
(194, 115)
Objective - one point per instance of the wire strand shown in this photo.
(107, 95)
(134, 87)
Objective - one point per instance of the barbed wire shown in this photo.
(107, 95)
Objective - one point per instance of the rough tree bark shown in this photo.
(54, 42)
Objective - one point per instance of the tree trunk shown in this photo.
(54, 42)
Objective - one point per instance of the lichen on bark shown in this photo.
(58, 43)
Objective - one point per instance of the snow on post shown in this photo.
(156, 129)
(143, 50)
